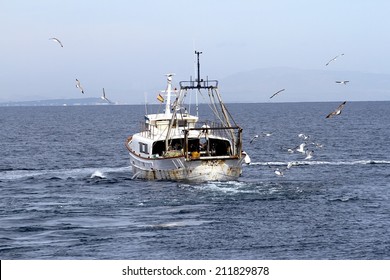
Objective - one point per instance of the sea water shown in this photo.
(66, 188)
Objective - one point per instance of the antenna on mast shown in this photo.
(168, 92)
(146, 103)
(198, 65)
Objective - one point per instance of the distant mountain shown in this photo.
(259, 84)
(58, 102)
(304, 85)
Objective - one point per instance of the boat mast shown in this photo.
(198, 85)
(169, 91)
(168, 109)
(197, 54)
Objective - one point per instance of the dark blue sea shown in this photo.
(66, 188)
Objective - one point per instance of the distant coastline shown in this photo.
(98, 102)
(57, 102)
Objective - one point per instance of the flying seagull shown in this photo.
(342, 82)
(337, 111)
(78, 85)
(333, 59)
(264, 134)
(309, 154)
(301, 148)
(104, 97)
(276, 93)
(56, 40)
(253, 138)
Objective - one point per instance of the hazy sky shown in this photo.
(126, 46)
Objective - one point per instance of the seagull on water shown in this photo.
(291, 164)
(267, 134)
(318, 145)
(303, 136)
(333, 59)
(104, 97)
(78, 85)
(279, 91)
(290, 150)
(342, 82)
(337, 111)
(279, 172)
(56, 40)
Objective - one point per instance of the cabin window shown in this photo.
(158, 148)
(182, 123)
(143, 148)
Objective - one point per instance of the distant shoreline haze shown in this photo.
(256, 86)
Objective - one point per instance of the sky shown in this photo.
(127, 46)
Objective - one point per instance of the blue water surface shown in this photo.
(66, 188)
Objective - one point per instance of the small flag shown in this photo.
(160, 98)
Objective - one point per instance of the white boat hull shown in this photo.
(175, 145)
(180, 169)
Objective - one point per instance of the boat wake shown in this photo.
(176, 224)
(337, 163)
(75, 173)
(98, 174)
(254, 190)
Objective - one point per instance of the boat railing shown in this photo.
(208, 84)
(215, 128)
(146, 130)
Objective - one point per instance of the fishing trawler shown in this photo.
(175, 145)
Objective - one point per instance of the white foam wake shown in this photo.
(356, 162)
(63, 173)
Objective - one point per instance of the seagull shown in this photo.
(104, 97)
(333, 59)
(56, 40)
(279, 172)
(253, 138)
(318, 145)
(267, 134)
(78, 85)
(277, 93)
(247, 159)
(303, 136)
(342, 82)
(309, 154)
(291, 164)
(337, 111)
(301, 148)
(290, 150)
